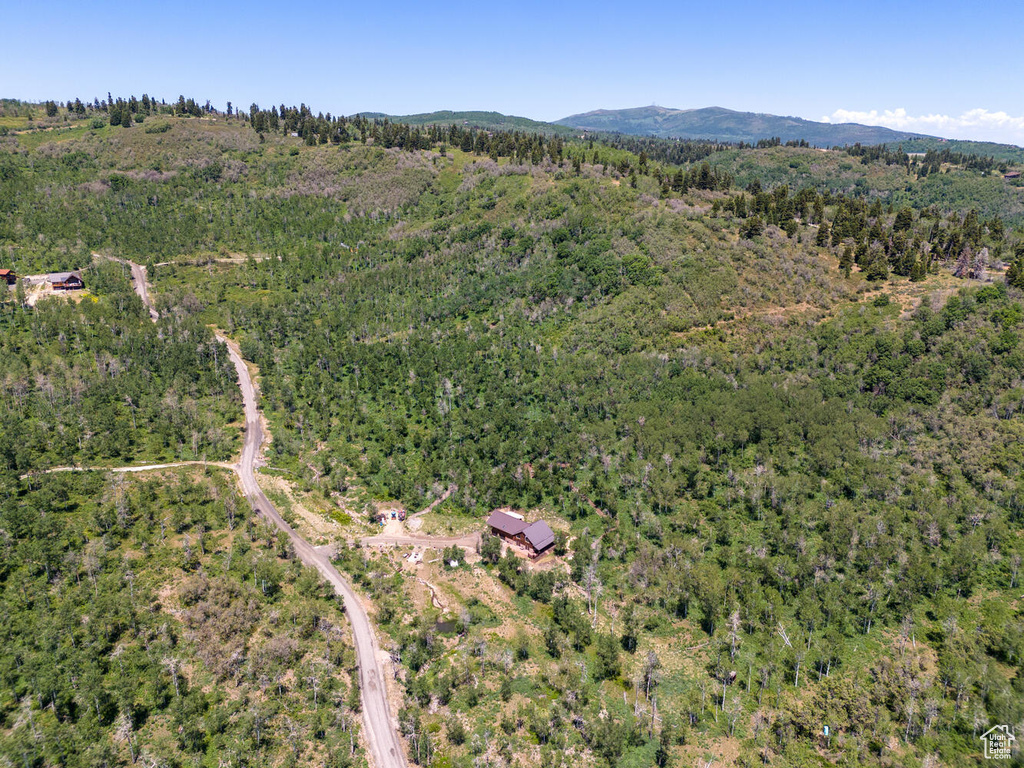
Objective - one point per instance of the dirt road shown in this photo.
(139, 468)
(142, 288)
(434, 504)
(381, 734)
(381, 730)
(139, 280)
(470, 541)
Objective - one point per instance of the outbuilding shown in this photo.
(8, 276)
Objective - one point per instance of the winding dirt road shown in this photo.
(381, 731)
(381, 734)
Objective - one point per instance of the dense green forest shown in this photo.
(772, 394)
(92, 383)
(156, 622)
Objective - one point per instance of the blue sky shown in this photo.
(949, 68)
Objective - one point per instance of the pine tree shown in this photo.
(904, 220)
(846, 261)
(740, 205)
(753, 227)
(877, 265)
(607, 659)
(630, 629)
(824, 234)
(1015, 273)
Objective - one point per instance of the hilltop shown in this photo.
(719, 124)
(494, 121)
(1007, 152)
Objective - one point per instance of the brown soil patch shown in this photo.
(314, 522)
(720, 751)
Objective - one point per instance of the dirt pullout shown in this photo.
(316, 524)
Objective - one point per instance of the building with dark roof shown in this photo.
(539, 536)
(536, 538)
(65, 281)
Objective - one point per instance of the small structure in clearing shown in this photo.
(8, 276)
(536, 537)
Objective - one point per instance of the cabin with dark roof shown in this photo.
(539, 537)
(536, 538)
(65, 281)
(8, 276)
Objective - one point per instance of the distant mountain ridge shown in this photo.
(720, 124)
(715, 123)
(490, 121)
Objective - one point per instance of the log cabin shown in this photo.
(536, 537)
(65, 281)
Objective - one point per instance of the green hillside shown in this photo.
(492, 121)
(726, 125)
(1007, 152)
(771, 401)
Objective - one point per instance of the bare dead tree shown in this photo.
(781, 630)
(734, 633)
(124, 731)
(172, 665)
(651, 666)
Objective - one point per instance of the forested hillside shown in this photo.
(92, 383)
(729, 125)
(771, 396)
(156, 622)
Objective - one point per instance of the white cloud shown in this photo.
(976, 124)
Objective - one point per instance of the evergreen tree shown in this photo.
(876, 265)
(753, 227)
(630, 629)
(1015, 273)
(904, 220)
(740, 205)
(919, 270)
(607, 660)
(846, 261)
(824, 235)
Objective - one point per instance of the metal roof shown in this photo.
(540, 535)
(510, 526)
(61, 277)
